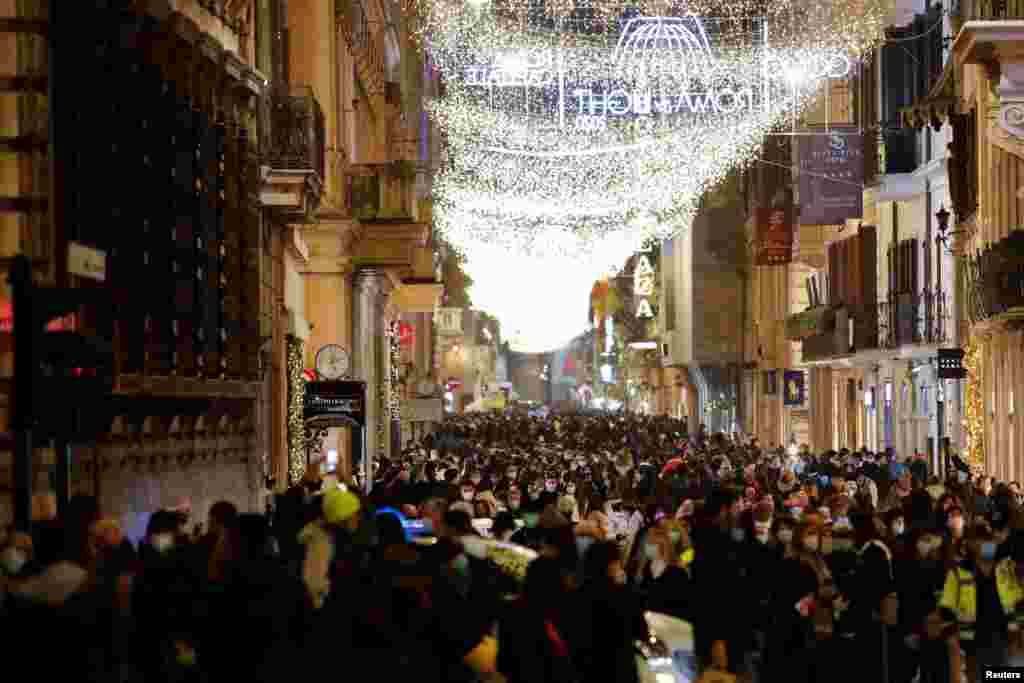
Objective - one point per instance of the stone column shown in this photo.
(370, 288)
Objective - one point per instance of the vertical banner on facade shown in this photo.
(774, 237)
(771, 382)
(831, 177)
(793, 392)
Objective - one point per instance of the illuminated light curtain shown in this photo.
(296, 410)
(974, 413)
(536, 178)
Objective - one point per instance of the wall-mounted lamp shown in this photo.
(945, 235)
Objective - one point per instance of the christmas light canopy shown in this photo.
(576, 126)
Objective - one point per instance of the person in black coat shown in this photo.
(608, 619)
(663, 582)
(534, 643)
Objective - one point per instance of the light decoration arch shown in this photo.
(578, 130)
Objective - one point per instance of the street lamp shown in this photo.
(944, 233)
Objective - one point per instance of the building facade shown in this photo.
(370, 262)
(978, 98)
(300, 220)
(178, 103)
(876, 301)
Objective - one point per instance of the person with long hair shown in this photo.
(534, 642)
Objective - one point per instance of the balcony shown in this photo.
(293, 153)
(842, 326)
(994, 281)
(383, 192)
(914, 319)
(963, 11)
(365, 46)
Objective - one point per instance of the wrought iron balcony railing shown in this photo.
(911, 319)
(993, 280)
(987, 10)
(222, 10)
(296, 136)
(363, 40)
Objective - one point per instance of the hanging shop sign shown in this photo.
(951, 364)
(793, 388)
(344, 401)
(774, 237)
(643, 286)
(831, 177)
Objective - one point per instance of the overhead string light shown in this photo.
(576, 127)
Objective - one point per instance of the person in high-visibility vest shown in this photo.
(986, 598)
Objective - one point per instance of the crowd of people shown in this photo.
(835, 566)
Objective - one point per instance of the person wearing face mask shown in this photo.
(663, 581)
(788, 651)
(920, 576)
(467, 491)
(549, 496)
(531, 535)
(514, 501)
(718, 570)
(956, 539)
(896, 527)
(982, 597)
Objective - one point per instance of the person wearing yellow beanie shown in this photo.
(338, 509)
(341, 508)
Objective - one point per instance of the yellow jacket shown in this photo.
(960, 595)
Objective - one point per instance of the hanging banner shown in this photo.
(774, 231)
(793, 392)
(831, 170)
(406, 334)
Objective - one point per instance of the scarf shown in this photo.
(557, 644)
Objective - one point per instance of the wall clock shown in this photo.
(332, 362)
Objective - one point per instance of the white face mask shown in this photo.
(162, 542)
(898, 528)
(811, 543)
(785, 535)
(467, 495)
(475, 547)
(13, 560)
(619, 579)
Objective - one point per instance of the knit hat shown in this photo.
(339, 505)
(487, 497)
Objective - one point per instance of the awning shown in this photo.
(935, 108)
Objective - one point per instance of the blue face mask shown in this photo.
(988, 550)
(798, 468)
(582, 544)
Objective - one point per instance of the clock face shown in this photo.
(332, 361)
